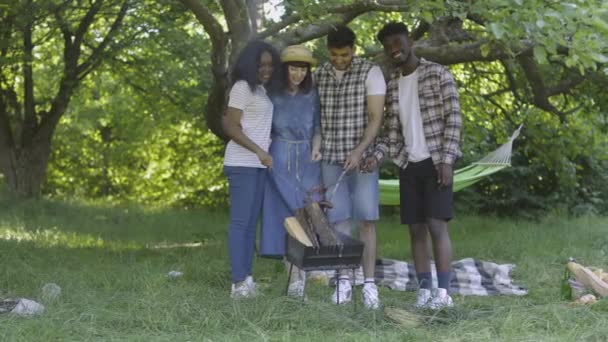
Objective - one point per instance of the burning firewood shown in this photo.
(311, 227)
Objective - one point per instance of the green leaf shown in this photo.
(554, 14)
(571, 61)
(600, 58)
(462, 15)
(599, 24)
(540, 23)
(497, 30)
(427, 16)
(540, 54)
(485, 50)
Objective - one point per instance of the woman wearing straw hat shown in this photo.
(295, 149)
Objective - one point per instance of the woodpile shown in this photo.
(404, 318)
(589, 279)
(311, 227)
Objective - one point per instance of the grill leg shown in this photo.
(352, 284)
(337, 289)
(288, 279)
(304, 289)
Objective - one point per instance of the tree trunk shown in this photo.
(24, 170)
(216, 105)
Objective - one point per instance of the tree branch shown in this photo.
(97, 54)
(140, 88)
(63, 26)
(210, 24)
(219, 57)
(252, 7)
(537, 84)
(276, 27)
(29, 121)
(237, 18)
(505, 113)
(318, 28)
(11, 100)
(216, 33)
(420, 30)
(511, 80)
(566, 84)
(461, 53)
(312, 31)
(85, 23)
(573, 110)
(6, 27)
(477, 19)
(72, 70)
(497, 92)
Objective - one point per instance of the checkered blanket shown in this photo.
(470, 277)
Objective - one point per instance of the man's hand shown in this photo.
(445, 175)
(265, 158)
(369, 164)
(316, 155)
(353, 160)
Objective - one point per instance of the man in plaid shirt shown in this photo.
(421, 136)
(351, 93)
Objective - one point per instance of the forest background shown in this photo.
(120, 100)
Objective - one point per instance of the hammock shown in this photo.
(466, 176)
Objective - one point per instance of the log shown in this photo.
(321, 226)
(588, 278)
(296, 231)
(307, 226)
(403, 317)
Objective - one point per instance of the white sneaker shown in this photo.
(370, 296)
(345, 294)
(245, 289)
(296, 289)
(241, 291)
(423, 298)
(441, 300)
(253, 286)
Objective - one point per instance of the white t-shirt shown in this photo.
(411, 120)
(256, 122)
(374, 83)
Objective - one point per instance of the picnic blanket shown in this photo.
(470, 277)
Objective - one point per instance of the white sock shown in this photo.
(370, 280)
(344, 277)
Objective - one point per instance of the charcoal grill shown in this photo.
(323, 258)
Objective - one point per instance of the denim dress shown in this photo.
(295, 179)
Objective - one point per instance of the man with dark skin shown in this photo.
(422, 137)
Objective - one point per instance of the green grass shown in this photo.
(115, 287)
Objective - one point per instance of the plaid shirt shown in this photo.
(440, 111)
(344, 115)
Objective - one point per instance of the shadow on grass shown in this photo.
(29, 264)
(77, 224)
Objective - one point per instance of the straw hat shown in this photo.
(297, 53)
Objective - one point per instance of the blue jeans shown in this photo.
(246, 187)
(357, 196)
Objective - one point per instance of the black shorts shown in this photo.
(421, 197)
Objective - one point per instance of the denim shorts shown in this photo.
(356, 197)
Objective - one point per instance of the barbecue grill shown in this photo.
(323, 258)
